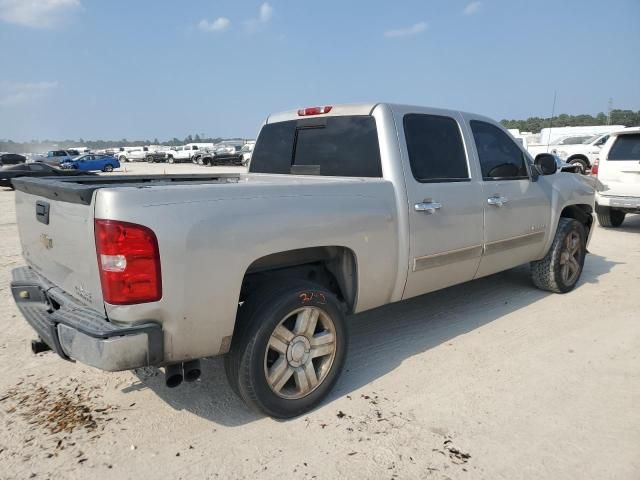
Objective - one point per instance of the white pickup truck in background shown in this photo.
(582, 154)
(184, 153)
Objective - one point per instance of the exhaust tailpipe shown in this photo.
(173, 375)
(192, 370)
(38, 346)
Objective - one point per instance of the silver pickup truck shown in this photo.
(343, 209)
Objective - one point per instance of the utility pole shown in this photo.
(610, 107)
(553, 111)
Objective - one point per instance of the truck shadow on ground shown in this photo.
(381, 339)
(631, 224)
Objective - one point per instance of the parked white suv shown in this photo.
(618, 173)
(582, 154)
(185, 153)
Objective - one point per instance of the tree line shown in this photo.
(628, 118)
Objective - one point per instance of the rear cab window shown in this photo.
(343, 146)
(625, 148)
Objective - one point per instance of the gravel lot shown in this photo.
(491, 379)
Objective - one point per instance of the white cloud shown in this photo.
(404, 32)
(218, 25)
(265, 13)
(12, 94)
(472, 8)
(37, 13)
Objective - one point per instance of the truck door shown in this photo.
(445, 201)
(517, 211)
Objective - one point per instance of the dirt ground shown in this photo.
(492, 379)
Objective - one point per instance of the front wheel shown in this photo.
(560, 269)
(610, 218)
(581, 164)
(289, 349)
(170, 160)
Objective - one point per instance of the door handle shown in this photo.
(497, 200)
(427, 207)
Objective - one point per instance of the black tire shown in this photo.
(258, 317)
(610, 218)
(108, 168)
(583, 165)
(149, 159)
(549, 273)
(123, 159)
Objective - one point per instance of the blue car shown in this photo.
(92, 162)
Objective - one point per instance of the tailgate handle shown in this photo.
(42, 212)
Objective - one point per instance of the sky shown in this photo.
(145, 69)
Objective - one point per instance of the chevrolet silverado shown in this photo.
(344, 209)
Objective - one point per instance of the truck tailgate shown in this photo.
(57, 241)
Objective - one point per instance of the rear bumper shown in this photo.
(77, 332)
(624, 203)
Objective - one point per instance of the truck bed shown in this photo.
(80, 189)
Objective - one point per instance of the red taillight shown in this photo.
(128, 261)
(594, 167)
(303, 112)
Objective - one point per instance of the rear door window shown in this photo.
(626, 147)
(436, 152)
(331, 146)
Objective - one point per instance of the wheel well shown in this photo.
(332, 267)
(579, 212)
(579, 157)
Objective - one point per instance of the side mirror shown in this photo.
(546, 164)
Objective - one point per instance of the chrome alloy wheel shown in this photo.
(570, 258)
(300, 353)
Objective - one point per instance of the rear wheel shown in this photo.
(108, 168)
(149, 159)
(560, 269)
(609, 217)
(288, 350)
(123, 159)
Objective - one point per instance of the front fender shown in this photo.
(566, 189)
